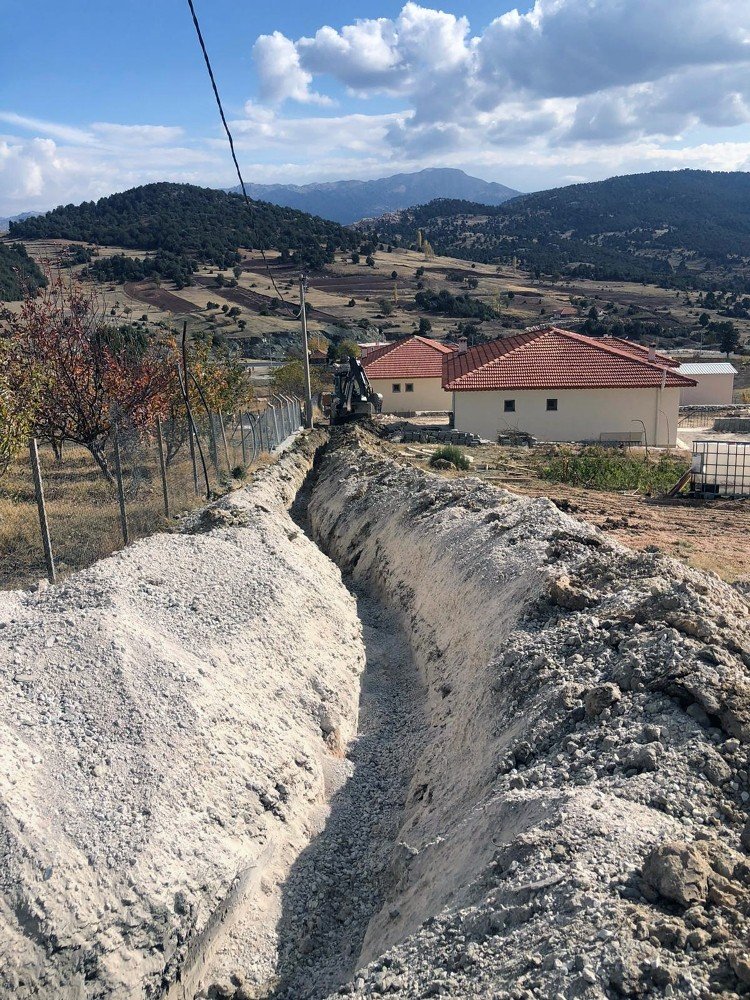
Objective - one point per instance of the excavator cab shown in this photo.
(353, 397)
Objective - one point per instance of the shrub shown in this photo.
(451, 455)
(605, 469)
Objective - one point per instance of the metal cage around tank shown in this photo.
(721, 469)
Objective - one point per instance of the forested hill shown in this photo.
(682, 227)
(18, 272)
(200, 223)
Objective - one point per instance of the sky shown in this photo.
(99, 96)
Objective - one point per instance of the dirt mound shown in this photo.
(547, 796)
(574, 825)
(168, 723)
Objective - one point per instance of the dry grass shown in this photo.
(83, 510)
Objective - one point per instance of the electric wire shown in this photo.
(224, 122)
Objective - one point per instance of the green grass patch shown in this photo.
(451, 455)
(604, 469)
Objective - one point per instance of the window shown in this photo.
(551, 404)
(509, 406)
(396, 387)
(410, 387)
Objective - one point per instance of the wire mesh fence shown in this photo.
(704, 416)
(93, 507)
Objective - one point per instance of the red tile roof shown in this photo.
(415, 357)
(552, 358)
(640, 351)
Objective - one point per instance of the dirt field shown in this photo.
(370, 303)
(148, 292)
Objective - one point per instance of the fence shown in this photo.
(704, 416)
(721, 469)
(62, 511)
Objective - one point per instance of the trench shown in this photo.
(347, 873)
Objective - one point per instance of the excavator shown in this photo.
(353, 397)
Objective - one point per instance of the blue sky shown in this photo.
(99, 96)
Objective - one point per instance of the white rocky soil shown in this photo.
(547, 795)
(167, 721)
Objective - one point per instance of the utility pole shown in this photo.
(305, 353)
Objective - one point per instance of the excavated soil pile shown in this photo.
(576, 824)
(547, 794)
(168, 722)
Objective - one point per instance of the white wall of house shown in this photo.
(581, 414)
(425, 394)
(711, 389)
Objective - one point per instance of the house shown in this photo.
(715, 383)
(318, 358)
(561, 386)
(641, 351)
(408, 375)
(565, 313)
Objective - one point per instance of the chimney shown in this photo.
(652, 352)
(463, 345)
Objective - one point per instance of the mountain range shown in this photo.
(5, 220)
(350, 201)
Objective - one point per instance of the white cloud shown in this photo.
(69, 164)
(576, 70)
(281, 74)
(137, 135)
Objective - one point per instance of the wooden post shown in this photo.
(120, 490)
(43, 525)
(162, 466)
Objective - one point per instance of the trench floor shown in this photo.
(344, 877)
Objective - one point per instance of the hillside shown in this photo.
(199, 223)
(18, 272)
(350, 201)
(677, 227)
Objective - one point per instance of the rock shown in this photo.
(596, 699)
(643, 758)
(678, 872)
(740, 962)
(565, 594)
(745, 836)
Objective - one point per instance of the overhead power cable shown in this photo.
(234, 154)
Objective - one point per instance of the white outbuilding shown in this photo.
(561, 386)
(714, 383)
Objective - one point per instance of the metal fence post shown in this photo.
(243, 445)
(282, 417)
(120, 490)
(272, 408)
(212, 441)
(191, 439)
(162, 466)
(220, 417)
(256, 451)
(42, 509)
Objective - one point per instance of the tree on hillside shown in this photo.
(67, 367)
(425, 326)
(344, 350)
(726, 335)
(290, 380)
(16, 412)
